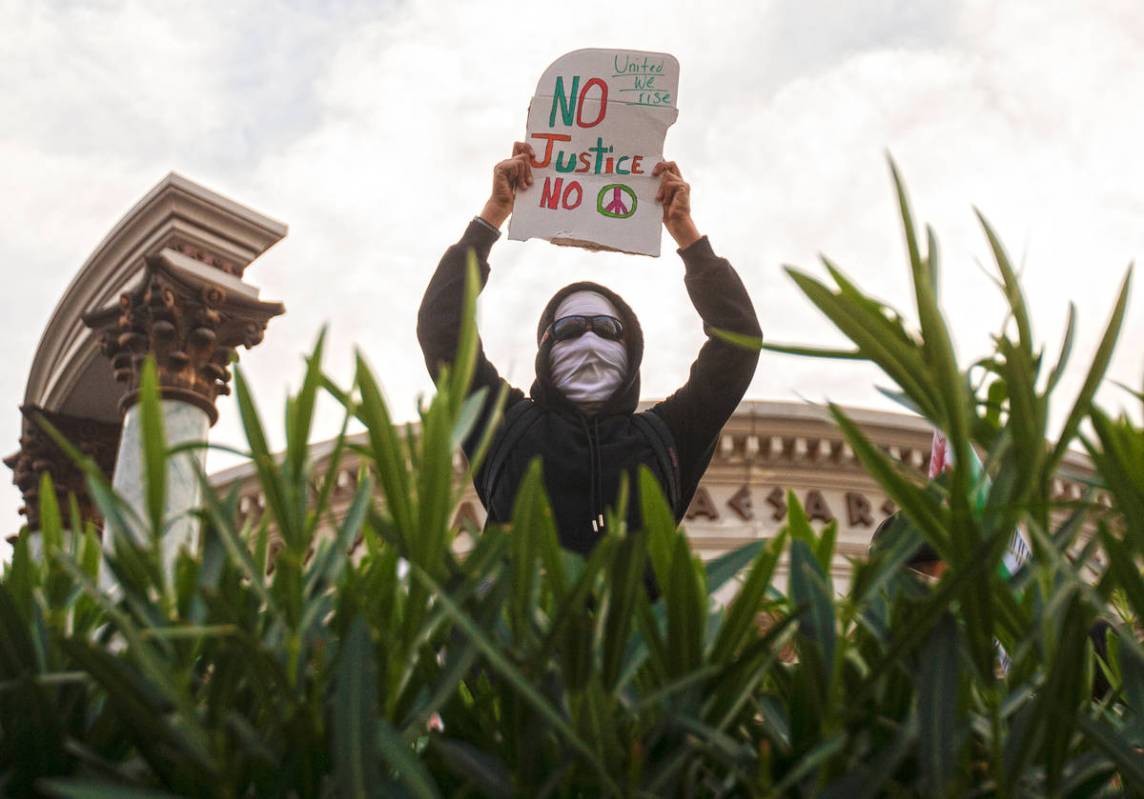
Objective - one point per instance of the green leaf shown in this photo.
(1121, 451)
(91, 789)
(1131, 665)
(1068, 685)
(518, 681)
(434, 486)
(468, 343)
(907, 218)
(724, 567)
(824, 547)
(269, 478)
(952, 399)
(952, 588)
(17, 655)
(386, 450)
(1066, 350)
(869, 780)
(326, 570)
(808, 589)
(659, 523)
(144, 711)
(685, 611)
(255, 571)
(807, 764)
(752, 343)
(815, 352)
(1135, 393)
(1127, 760)
(1121, 566)
(625, 582)
(938, 711)
(736, 685)
(21, 578)
(797, 522)
(410, 770)
(875, 336)
(468, 416)
(1013, 293)
(1092, 381)
(931, 518)
(492, 426)
(154, 449)
(740, 618)
(140, 651)
(298, 437)
(51, 523)
(572, 606)
(457, 665)
(933, 260)
(530, 510)
(469, 763)
(355, 714)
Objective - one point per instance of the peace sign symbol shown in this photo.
(616, 201)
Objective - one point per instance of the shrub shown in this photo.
(522, 669)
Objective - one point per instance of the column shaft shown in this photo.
(182, 423)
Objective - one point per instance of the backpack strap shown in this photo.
(656, 431)
(517, 419)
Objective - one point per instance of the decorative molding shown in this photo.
(191, 319)
(39, 455)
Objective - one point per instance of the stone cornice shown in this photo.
(191, 318)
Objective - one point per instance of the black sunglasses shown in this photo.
(569, 327)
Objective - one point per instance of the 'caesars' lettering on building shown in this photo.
(856, 507)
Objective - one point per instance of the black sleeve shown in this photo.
(439, 319)
(721, 374)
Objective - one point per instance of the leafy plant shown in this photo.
(375, 661)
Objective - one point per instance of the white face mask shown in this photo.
(588, 369)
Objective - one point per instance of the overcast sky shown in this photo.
(371, 129)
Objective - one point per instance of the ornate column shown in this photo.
(39, 454)
(191, 317)
(172, 267)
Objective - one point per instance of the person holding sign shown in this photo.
(580, 415)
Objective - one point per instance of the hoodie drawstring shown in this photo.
(595, 467)
(599, 473)
(591, 474)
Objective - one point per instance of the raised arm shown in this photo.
(439, 319)
(722, 372)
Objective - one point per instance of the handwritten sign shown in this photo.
(597, 124)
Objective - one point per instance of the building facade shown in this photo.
(167, 284)
(766, 450)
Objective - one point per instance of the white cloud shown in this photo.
(371, 129)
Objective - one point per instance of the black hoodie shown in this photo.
(584, 456)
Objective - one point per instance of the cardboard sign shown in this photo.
(597, 124)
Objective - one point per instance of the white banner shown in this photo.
(597, 125)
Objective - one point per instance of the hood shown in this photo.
(627, 396)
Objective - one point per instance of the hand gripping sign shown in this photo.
(597, 125)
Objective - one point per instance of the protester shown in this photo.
(580, 414)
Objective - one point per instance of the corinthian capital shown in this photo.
(39, 455)
(191, 318)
